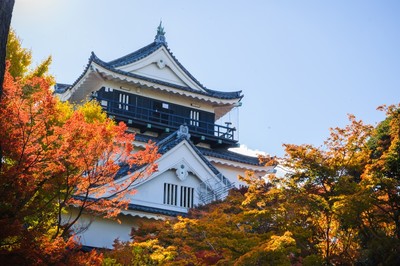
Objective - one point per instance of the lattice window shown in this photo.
(187, 195)
(123, 101)
(170, 194)
(194, 118)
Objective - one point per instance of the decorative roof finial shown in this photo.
(160, 37)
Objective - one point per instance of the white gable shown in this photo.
(179, 170)
(160, 65)
(165, 74)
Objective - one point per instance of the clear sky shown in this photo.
(302, 65)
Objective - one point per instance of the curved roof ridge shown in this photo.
(195, 80)
(151, 48)
(217, 94)
(143, 52)
(90, 60)
(135, 56)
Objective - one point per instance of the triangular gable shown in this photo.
(161, 65)
(181, 167)
(97, 72)
(182, 154)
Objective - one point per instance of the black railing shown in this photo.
(168, 120)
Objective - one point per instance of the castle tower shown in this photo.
(160, 100)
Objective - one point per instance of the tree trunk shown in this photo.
(6, 8)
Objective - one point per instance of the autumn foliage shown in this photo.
(337, 205)
(54, 156)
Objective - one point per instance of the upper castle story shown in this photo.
(153, 93)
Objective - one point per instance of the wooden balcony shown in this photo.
(162, 122)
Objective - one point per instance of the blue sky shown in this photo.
(302, 65)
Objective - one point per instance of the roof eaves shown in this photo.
(219, 95)
(91, 58)
(231, 156)
(61, 87)
(155, 210)
(235, 94)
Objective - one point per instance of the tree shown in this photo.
(325, 180)
(340, 201)
(6, 9)
(383, 172)
(220, 233)
(20, 59)
(338, 205)
(381, 182)
(319, 201)
(55, 156)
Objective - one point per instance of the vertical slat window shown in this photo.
(194, 118)
(123, 101)
(170, 194)
(187, 196)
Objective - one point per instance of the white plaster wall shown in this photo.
(102, 232)
(163, 59)
(231, 173)
(151, 193)
(165, 74)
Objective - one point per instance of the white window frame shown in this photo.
(104, 103)
(194, 118)
(123, 101)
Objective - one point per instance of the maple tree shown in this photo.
(56, 156)
(337, 205)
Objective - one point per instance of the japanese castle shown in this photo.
(161, 101)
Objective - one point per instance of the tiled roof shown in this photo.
(141, 208)
(231, 156)
(165, 145)
(145, 138)
(154, 46)
(61, 88)
(172, 140)
(135, 56)
(155, 210)
(207, 92)
(217, 153)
